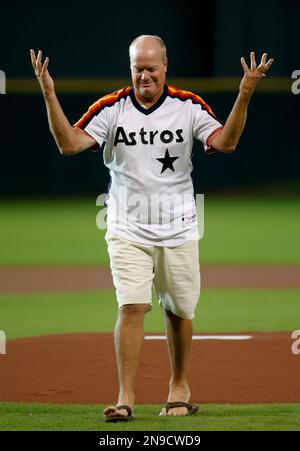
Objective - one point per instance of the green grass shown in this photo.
(63, 232)
(248, 310)
(251, 231)
(219, 310)
(51, 232)
(211, 417)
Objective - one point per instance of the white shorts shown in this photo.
(174, 273)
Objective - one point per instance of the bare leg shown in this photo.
(179, 335)
(129, 337)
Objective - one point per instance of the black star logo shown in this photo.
(167, 162)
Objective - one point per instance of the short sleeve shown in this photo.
(205, 124)
(95, 123)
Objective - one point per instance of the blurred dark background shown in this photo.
(90, 40)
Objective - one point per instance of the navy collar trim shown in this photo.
(154, 107)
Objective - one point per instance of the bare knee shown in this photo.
(134, 309)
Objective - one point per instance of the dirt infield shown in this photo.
(55, 279)
(80, 368)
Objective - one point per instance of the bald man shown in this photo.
(146, 134)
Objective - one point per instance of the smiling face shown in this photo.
(148, 68)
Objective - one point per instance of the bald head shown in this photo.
(150, 45)
(148, 64)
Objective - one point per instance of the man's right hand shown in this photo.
(69, 139)
(41, 71)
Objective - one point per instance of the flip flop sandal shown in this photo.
(190, 407)
(118, 417)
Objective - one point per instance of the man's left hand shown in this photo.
(253, 75)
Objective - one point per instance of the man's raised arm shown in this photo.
(68, 139)
(227, 139)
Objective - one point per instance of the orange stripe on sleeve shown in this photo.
(182, 94)
(102, 102)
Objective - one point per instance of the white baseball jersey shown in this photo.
(148, 153)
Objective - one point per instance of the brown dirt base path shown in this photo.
(80, 368)
(63, 279)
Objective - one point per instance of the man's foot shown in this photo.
(178, 393)
(190, 408)
(118, 413)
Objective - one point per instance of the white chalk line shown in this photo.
(205, 337)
